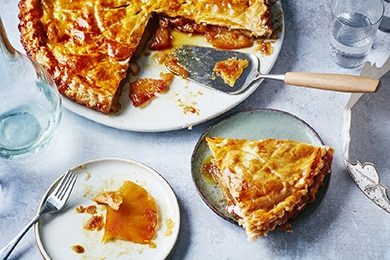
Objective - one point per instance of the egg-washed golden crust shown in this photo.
(266, 183)
(86, 45)
(251, 15)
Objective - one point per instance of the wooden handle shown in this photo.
(335, 82)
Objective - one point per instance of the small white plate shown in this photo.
(57, 233)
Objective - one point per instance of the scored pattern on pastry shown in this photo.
(266, 183)
(86, 45)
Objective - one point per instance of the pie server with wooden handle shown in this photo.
(200, 62)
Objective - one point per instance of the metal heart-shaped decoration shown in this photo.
(367, 179)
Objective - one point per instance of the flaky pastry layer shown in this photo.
(266, 183)
(86, 45)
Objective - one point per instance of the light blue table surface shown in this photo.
(346, 225)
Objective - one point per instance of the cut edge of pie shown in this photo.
(266, 183)
(86, 46)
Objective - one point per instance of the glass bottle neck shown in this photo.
(5, 46)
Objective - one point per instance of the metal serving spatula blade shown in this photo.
(200, 61)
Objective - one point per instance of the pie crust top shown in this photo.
(86, 45)
(266, 183)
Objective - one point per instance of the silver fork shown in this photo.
(54, 203)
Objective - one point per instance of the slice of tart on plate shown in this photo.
(266, 183)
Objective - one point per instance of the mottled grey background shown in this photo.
(346, 225)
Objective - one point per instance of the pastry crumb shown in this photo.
(170, 225)
(82, 167)
(89, 209)
(86, 176)
(79, 249)
(265, 47)
(152, 245)
(94, 223)
(188, 108)
(110, 198)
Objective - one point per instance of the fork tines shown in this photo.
(65, 186)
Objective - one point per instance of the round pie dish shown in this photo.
(185, 104)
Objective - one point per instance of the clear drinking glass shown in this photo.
(30, 105)
(353, 29)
